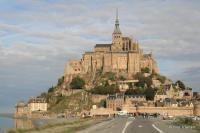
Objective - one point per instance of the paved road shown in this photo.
(154, 126)
(138, 125)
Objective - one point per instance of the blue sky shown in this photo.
(37, 38)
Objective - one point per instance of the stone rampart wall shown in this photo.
(174, 111)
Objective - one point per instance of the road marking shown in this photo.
(127, 123)
(160, 131)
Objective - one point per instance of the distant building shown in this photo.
(173, 92)
(160, 96)
(21, 109)
(115, 102)
(37, 104)
(137, 98)
(169, 102)
(24, 123)
(167, 92)
(188, 94)
(170, 92)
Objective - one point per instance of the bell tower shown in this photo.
(116, 35)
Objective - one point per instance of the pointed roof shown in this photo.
(117, 29)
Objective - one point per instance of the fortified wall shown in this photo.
(197, 109)
(171, 111)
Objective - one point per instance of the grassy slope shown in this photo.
(75, 102)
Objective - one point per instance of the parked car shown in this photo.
(196, 118)
(122, 113)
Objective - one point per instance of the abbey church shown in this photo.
(122, 55)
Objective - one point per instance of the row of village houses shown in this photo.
(170, 96)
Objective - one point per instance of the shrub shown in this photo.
(143, 80)
(150, 93)
(77, 83)
(111, 76)
(122, 78)
(103, 90)
(181, 84)
(60, 81)
(160, 78)
(51, 89)
(43, 94)
(134, 91)
(148, 81)
(139, 76)
(145, 70)
(102, 103)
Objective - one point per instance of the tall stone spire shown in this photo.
(117, 29)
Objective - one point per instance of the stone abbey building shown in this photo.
(122, 55)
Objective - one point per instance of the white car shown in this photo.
(196, 118)
(122, 113)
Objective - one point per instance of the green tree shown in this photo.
(139, 75)
(122, 78)
(160, 78)
(180, 84)
(43, 94)
(150, 93)
(141, 83)
(112, 89)
(148, 81)
(102, 103)
(111, 76)
(134, 91)
(77, 83)
(145, 70)
(103, 90)
(51, 89)
(143, 80)
(60, 81)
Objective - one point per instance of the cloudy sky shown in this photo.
(37, 38)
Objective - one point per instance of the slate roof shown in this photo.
(116, 96)
(102, 45)
(138, 95)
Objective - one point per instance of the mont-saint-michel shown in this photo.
(113, 80)
(120, 81)
(123, 56)
(110, 73)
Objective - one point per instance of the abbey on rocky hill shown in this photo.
(122, 55)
